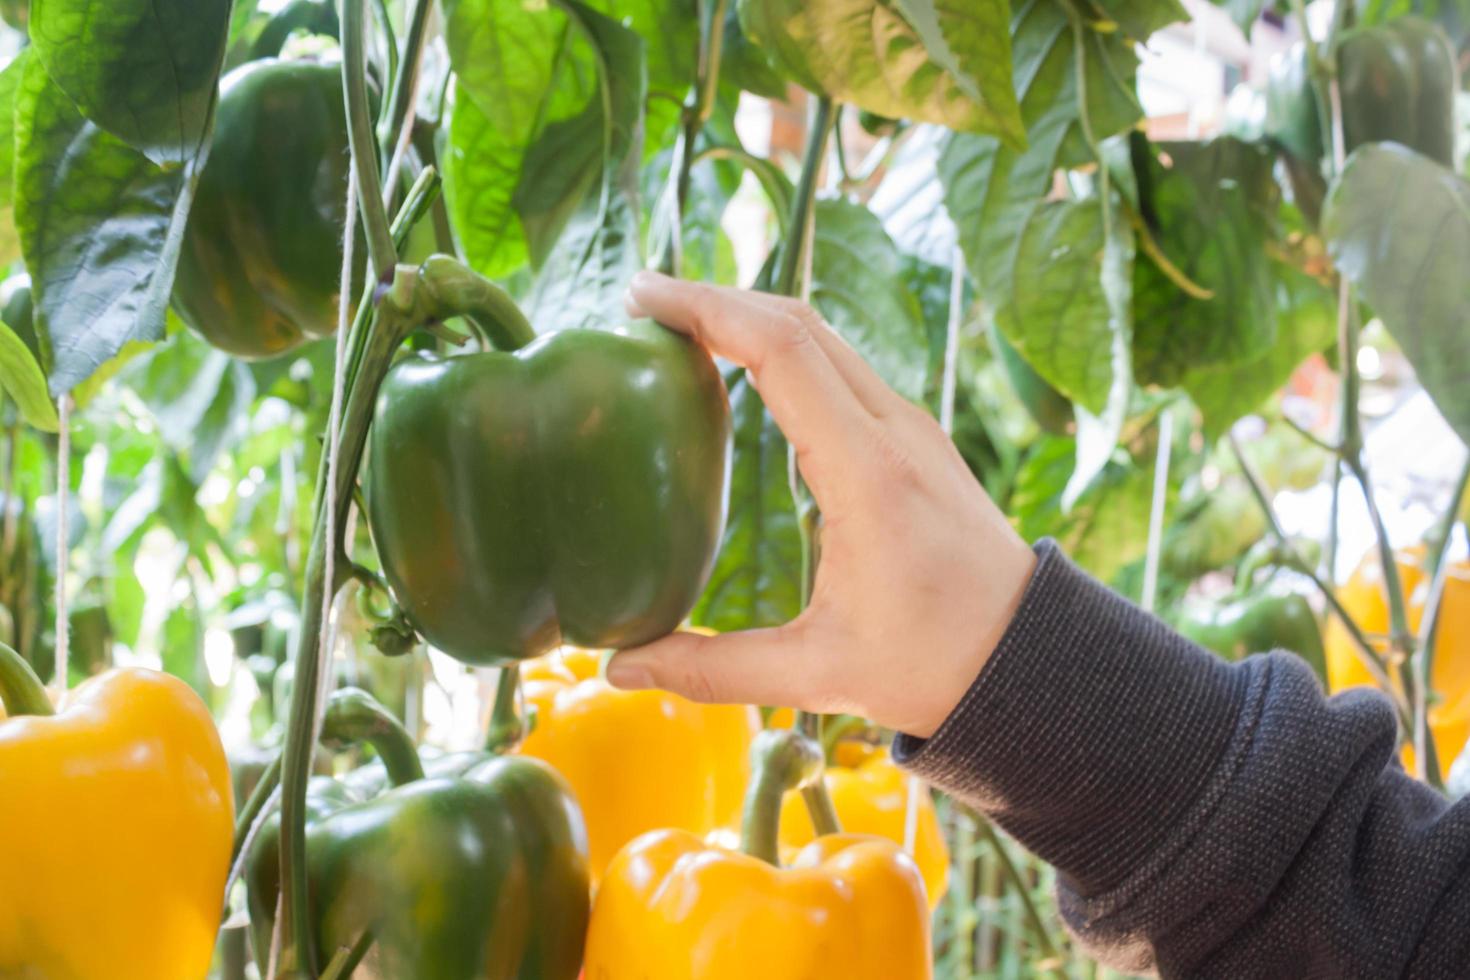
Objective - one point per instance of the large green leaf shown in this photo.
(757, 578)
(100, 226)
(1040, 263)
(10, 80)
(23, 380)
(582, 283)
(519, 70)
(1044, 41)
(1212, 207)
(941, 61)
(1398, 226)
(1138, 19)
(857, 284)
(547, 99)
(1244, 13)
(744, 64)
(1306, 322)
(145, 71)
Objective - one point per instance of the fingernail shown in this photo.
(644, 278)
(628, 677)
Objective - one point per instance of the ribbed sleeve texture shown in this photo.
(1207, 819)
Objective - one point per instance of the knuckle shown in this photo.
(696, 685)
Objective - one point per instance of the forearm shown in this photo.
(1207, 818)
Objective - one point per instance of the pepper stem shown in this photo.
(781, 760)
(450, 288)
(353, 716)
(21, 691)
(506, 728)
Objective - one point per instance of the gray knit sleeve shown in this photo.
(1207, 819)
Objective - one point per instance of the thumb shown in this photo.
(749, 667)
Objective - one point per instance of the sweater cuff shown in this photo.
(1090, 730)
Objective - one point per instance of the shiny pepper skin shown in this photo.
(674, 908)
(117, 818)
(636, 760)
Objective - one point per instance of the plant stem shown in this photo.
(1022, 888)
(405, 80)
(354, 716)
(1438, 569)
(21, 691)
(506, 728)
(267, 784)
(782, 760)
(383, 255)
(799, 234)
(1369, 657)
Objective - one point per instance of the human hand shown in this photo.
(920, 572)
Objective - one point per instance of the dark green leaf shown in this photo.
(1139, 20)
(145, 71)
(1398, 226)
(940, 61)
(757, 578)
(23, 380)
(1244, 13)
(100, 226)
(744, 64)
(857, 284)
(182, 645)
(1212, 207)
(1306, 322)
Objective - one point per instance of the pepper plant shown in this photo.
(273, 263)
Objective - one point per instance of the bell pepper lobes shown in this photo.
(1363, 596)
(476, 871)
(117, 816)
(871, 796)
(572, 490)
(685, 765)
(261, 258)
(1246, 624)
(672, 907)
(1398, 82)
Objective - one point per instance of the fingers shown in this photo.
(809, 399)
(751, 667)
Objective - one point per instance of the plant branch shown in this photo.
(383, 255)
(400, 102)
(1022, 888)
(798, 237)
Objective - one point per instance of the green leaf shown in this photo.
(1398, 226)
(1039, 264)
(1107, 527)
(1212, 207)
(23, 380)
(857, 284)
(100, 227)
(1044, 46)
(145, 71)
(582, 283)
(10, 80)
(1138, 20)
(1244, 13)
(744, 64)
(1306, 322)
(534, 124)
(756, 580)
(200, 398)
(941, 61)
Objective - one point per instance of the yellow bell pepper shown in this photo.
(1365, 600)
(117, 818)
(636, 760)
(672, 907)
(871, 796)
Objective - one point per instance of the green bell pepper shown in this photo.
(572, 490)
(1397, 80)
(1242, 625)
(262, 252)
(1398, 83)
(474, 873)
